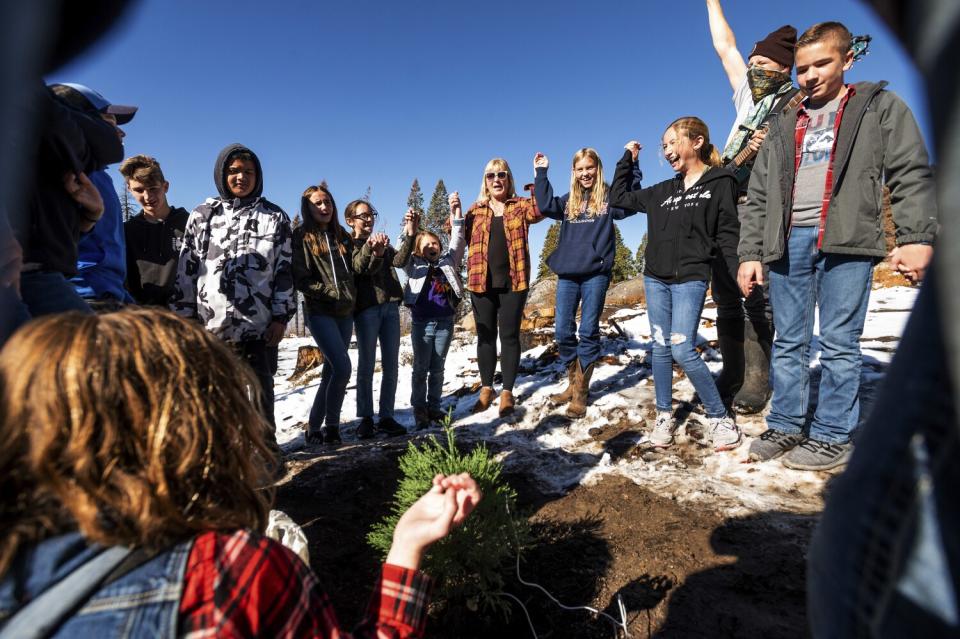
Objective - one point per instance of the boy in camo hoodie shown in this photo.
(234, 273)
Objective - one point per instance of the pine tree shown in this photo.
(127, 207)
(438, 214)
(323, 183)
(366, 195)
(549, 246)
(415, 199)
(641, 259)
(623, 266)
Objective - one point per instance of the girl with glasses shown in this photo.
(691, 220)
(583, 261)
(498, 277)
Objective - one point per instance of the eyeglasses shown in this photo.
(498, 175)
(366, 217)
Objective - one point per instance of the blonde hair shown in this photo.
(496, 164)
(598, 194)
(136, 428)
(417, 248)
(692, 128)
(143, 169)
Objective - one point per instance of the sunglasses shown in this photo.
(499, 174)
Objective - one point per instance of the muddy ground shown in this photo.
(681, 570)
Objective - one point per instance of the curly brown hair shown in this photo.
(135, 428)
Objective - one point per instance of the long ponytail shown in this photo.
(693, 128)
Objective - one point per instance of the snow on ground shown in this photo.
(559, 453)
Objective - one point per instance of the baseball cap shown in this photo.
(83, 96)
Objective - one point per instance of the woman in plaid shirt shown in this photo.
(135, 430)
(498, 277)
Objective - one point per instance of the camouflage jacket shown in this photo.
(234, 273)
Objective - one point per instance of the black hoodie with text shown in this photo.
(686, 228)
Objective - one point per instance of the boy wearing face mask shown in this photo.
(762, 88)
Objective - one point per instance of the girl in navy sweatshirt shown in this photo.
(582, 261)
(691, 219)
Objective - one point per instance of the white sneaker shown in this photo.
(662, 434)
(724, 433)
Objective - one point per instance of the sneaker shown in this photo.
(313, 438)
(331, 435)
(662, 434)
(811, 454)
(421, 418)
(773, 443)
(365, 429)
(724, 433)
(389, 427)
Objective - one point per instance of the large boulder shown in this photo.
(541, 305)
(627, 293)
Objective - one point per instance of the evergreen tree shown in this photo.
(437, 215)
(415, 199)
(323, 183)
(640, 259)
(366, 195)
(127, 206)
(623, 266)
(549, 246)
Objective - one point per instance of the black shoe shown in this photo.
(313, 437)
(421, 418)
(437, 415)
(365, 429)
(331, 435)
(389, 427)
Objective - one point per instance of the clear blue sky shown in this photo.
(366, 93)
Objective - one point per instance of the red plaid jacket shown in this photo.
(518, 214)
(245, 585)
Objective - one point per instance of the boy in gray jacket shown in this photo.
(813, 214)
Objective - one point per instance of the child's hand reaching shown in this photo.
(634, 147)
(410, 223)
(451, 499)
(456, 211)
(540, 161)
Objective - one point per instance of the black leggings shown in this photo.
(504, 310)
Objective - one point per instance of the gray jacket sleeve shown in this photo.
(753, 213)
(907, 173)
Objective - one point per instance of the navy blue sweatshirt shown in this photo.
(686, 228)
(587, 244)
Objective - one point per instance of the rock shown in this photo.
(626, 293)
(543, 294)
(308, 358)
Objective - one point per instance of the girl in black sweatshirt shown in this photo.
(690, 219)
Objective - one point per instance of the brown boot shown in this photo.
(567, 394)
(485, 399)
(578, 404)
(506, 403)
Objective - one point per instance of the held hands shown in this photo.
(634, 147)
(456, 211)
(911, 260)
(378, 243)
(540, 161)
(749, 275)
(410, 223)
(432, 517)
(81, 189)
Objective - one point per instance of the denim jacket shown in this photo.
(449, 263)
(142, 603)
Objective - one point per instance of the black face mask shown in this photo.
(763, 82)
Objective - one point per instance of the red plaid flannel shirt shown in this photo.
(246, 585)
(803, 120)
(518, 214)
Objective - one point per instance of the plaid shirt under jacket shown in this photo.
(246, 585)
(518, 214)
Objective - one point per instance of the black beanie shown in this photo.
(778, 46)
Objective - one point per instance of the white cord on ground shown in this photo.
(621, 623)
(524, 609)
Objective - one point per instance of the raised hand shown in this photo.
(410, 223)
(456, 210)
(634, 147)
(540, 161)
(448, 502)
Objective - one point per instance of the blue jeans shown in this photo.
(377, 322)
(332, 335)
(46, 292)
(674, 311)
(803, 280)
(431, 341)
(592, 291)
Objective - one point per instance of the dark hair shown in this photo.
(350, 212)
(821, 31)
(311, 230)
(246, 156)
